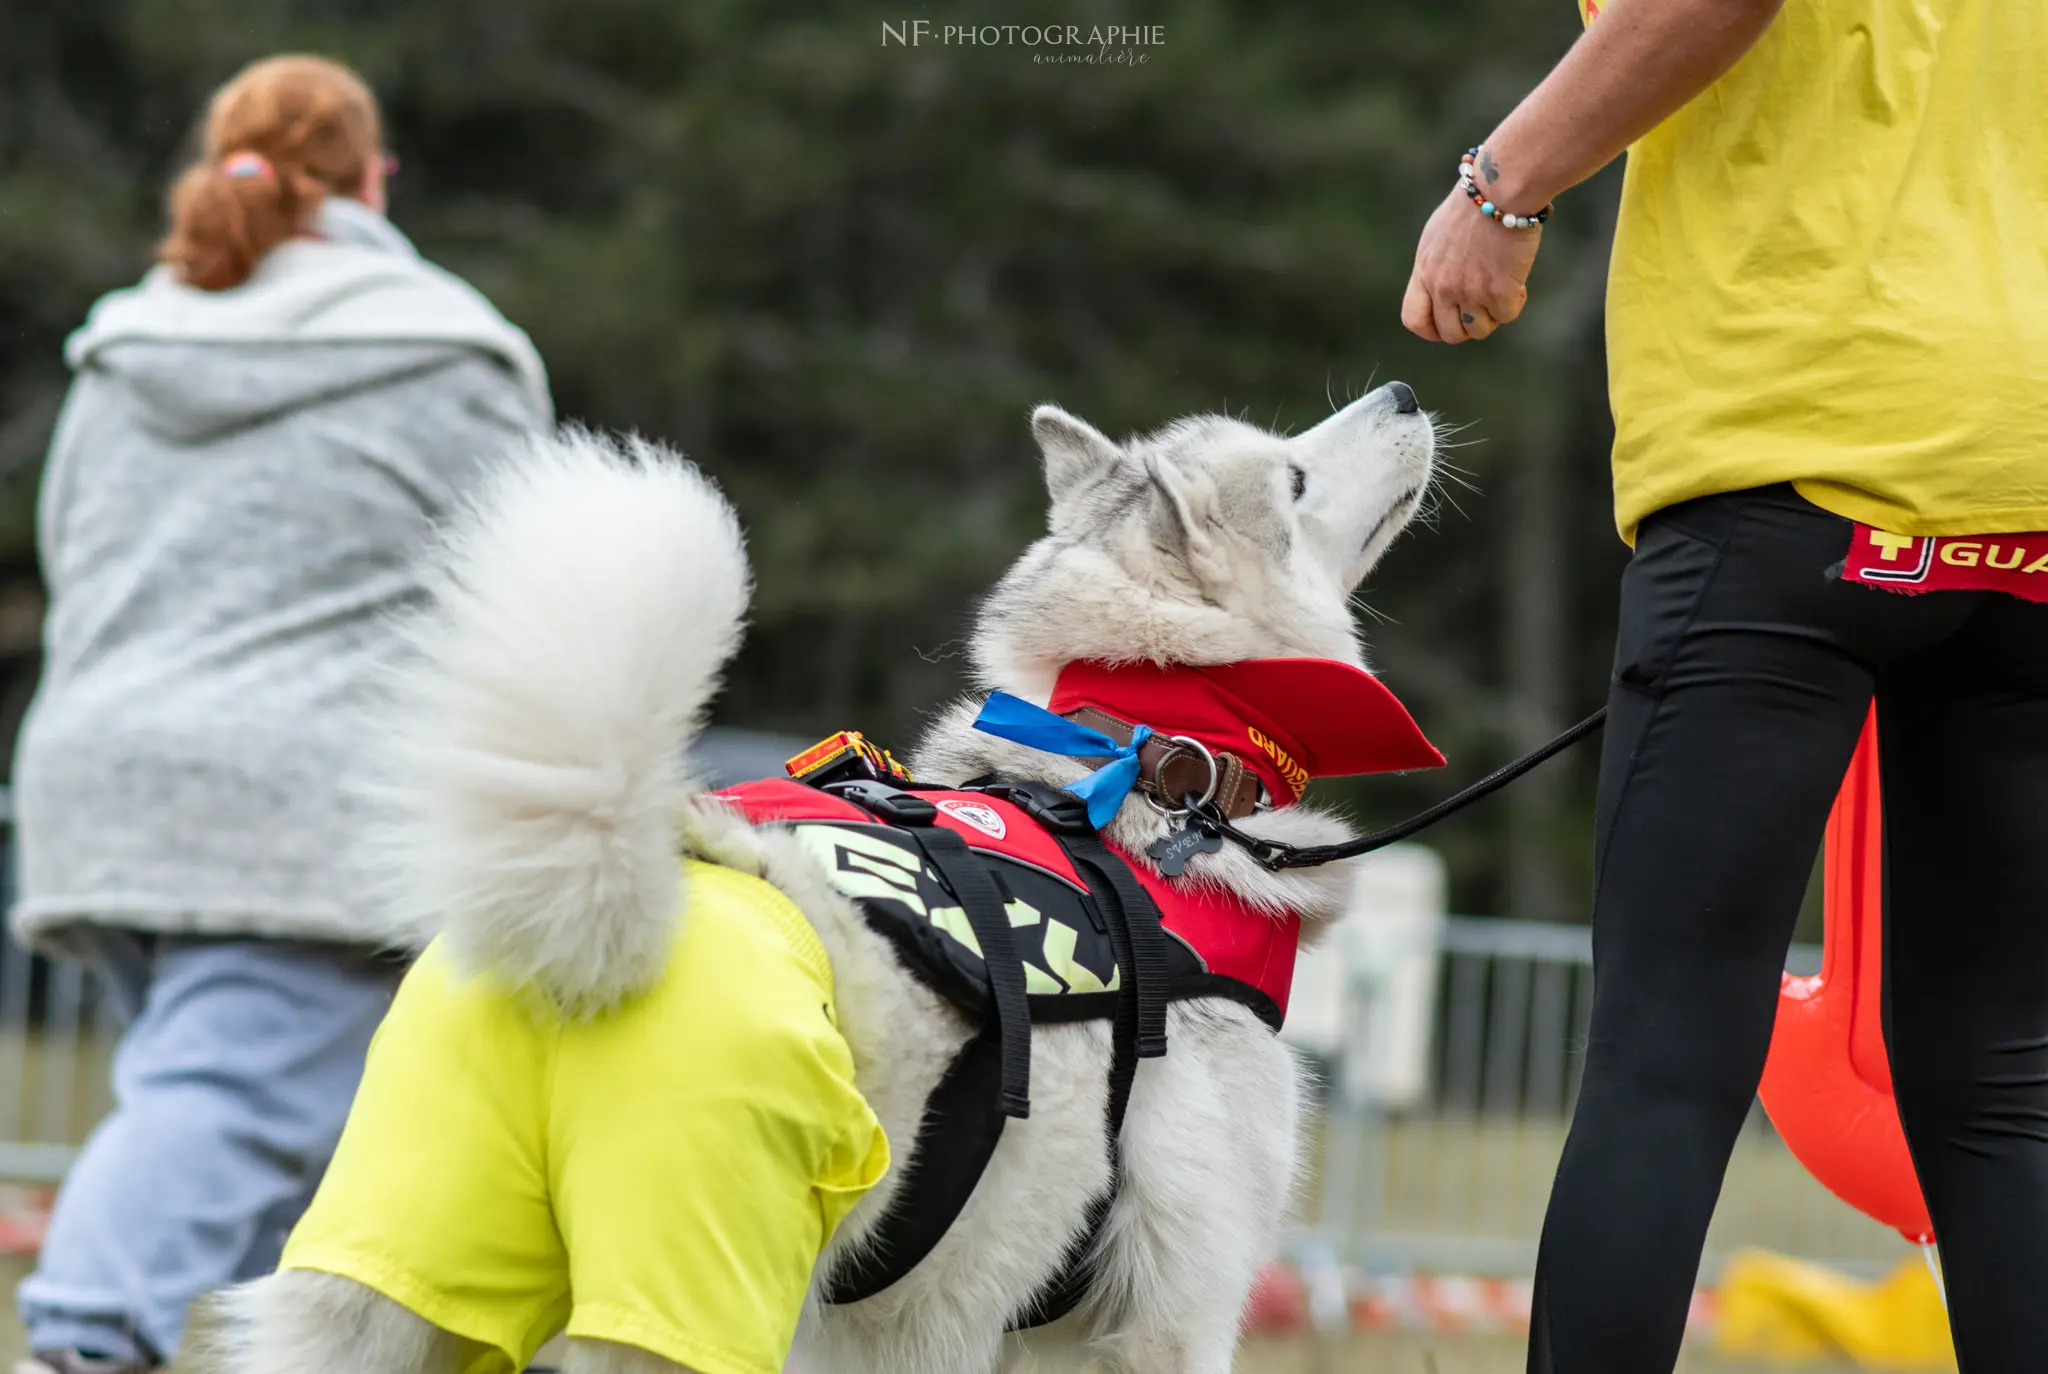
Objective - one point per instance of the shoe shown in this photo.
(78, 1362)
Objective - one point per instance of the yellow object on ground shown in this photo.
(1779, 1308)
(662, 1176)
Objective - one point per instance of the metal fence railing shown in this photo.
(1455, 1180)
(56, 1044)
(56, 1041)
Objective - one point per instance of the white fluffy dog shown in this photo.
(587, 607)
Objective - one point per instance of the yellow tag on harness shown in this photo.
(849, 754)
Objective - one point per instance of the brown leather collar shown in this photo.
(1172, 772)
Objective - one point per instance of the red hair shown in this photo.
(315, 129)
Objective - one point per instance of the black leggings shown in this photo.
(1743, 671)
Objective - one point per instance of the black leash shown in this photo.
(1275, 855)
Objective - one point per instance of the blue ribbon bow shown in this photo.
(1104, 790)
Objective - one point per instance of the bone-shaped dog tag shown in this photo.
(1174, 850)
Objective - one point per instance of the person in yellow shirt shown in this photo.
(1827, 332)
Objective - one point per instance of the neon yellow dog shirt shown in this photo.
(663, 1176)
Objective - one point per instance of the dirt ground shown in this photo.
(1360, 1355)
(1420, 1354)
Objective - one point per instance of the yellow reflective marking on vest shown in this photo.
(953, 920)
(1038, 980)
(862, 865)
(1059, 957)
(872, 867)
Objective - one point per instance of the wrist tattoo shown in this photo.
(1477, 162)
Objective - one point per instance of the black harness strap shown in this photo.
(991, 925)
(1064, 1291)
(1137, 1032)
(1148, 940)
(955, 1142)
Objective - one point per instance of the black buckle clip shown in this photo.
(892, 804)
(1063, 813)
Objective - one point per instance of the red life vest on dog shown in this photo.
(1227, 947)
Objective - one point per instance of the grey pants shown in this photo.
(231, 1084)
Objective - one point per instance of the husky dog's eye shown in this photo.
(1299, 478)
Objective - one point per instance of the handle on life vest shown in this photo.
(1827, 1085)
(1059, 811)
(888, 802)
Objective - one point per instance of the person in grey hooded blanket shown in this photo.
(258, 441)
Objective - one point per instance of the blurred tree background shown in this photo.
(839, 273)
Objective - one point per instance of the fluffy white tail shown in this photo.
(582, 610)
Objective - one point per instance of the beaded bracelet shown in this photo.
(1493, 212)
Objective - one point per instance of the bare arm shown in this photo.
(1637, 64)
(1634, 68)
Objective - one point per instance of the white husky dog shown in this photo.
(590, 601)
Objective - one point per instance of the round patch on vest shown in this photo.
(986, 819)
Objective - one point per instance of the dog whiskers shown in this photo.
(1447, 471)
(1372, 612)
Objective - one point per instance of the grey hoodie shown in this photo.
(237, 491)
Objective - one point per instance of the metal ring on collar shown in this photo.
(1208, 792)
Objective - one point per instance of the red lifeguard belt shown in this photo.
(1827, 1084)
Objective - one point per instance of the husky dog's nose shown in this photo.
(1404, 398)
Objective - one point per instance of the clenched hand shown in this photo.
(1471, 275)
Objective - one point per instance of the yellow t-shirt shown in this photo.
(663, 1176)
(1832, 268)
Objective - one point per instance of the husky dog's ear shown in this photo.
(1181, 519)
(1075, 451)
(1173, 521)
